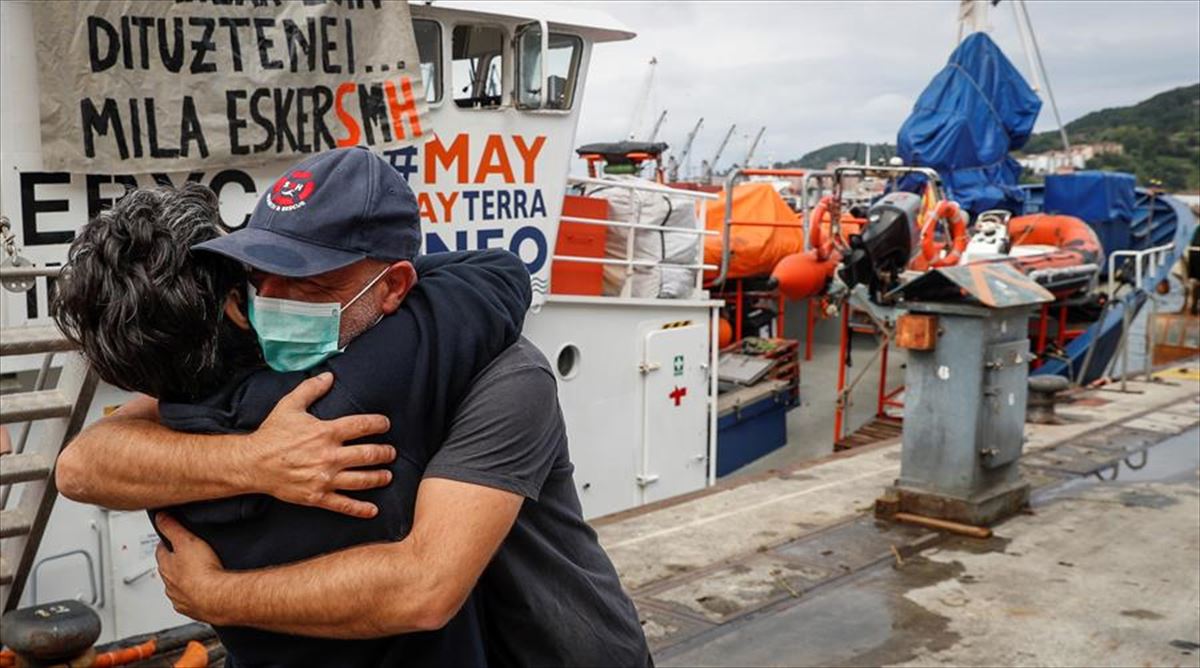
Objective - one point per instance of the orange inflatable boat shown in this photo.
(1062, 253)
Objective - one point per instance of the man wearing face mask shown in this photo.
(497, 494)
(154, 317)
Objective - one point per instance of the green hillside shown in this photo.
(1161, 137)
(852, 151)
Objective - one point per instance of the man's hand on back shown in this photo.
(300, 459)
(187, 571)
(129, 461)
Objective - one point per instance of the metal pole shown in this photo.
(714, 320)
(1037, 52)
(1091, 350)
(1033, 72)
(730, 183)
(1150, 335)
(809, 326)
(1125, 345)
(883, 369)
(840, 408)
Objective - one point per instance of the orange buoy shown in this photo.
(956, 221)
(724, 333)
(802, 275)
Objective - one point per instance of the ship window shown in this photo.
(562, 64)
(429, 48)
(478, 69)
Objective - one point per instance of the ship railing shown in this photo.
(629, 262)
(807, 200)
(731, 181)
(1145, 263)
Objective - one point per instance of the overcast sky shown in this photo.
(820, 72)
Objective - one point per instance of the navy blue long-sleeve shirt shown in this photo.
(414, 366)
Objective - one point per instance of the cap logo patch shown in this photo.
(290, 191)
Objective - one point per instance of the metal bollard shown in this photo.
(52, 634)
(1043, 391)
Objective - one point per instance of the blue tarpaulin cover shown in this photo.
(1104, 200)
(1096, 197)
(971, 115)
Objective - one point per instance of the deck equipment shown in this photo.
(967, 348)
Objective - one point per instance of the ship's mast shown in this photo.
(1037, 54)
(974, 16)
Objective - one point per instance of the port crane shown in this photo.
(712, 164)
(683, 155)
(753, 146)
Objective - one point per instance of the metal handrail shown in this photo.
(30, 272)
(91, 567)
(647, 187)
(866, 170)
(633, 226)
(628, 261)
(1156, 257)
(731, 181)
(835, 209)
(806, 207)
(753, 171)
(636, 263)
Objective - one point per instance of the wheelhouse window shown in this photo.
(429, 49)
(478, 68)
(562, 68)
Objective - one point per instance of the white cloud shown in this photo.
(820, 72)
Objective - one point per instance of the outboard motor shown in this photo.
(882, 251)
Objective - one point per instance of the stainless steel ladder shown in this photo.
(29, 470)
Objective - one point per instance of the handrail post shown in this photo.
(730, 182)
(806, 205)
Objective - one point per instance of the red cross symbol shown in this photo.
(678, 393)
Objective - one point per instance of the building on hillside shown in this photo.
(1057, 161)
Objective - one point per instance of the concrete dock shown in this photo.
(790, 566)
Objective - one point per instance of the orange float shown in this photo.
(1067, 233)
(724, 333)
(955, 219)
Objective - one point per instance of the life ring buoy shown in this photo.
(956, 221)
(816, 235)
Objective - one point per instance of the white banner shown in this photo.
(130, 87)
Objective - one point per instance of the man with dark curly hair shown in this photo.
(154, 316)
(151, 315)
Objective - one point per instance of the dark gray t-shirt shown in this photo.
(551, 596)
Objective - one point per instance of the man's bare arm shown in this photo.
(129, 461)
(416, 584)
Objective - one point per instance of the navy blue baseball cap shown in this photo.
(327, 212)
